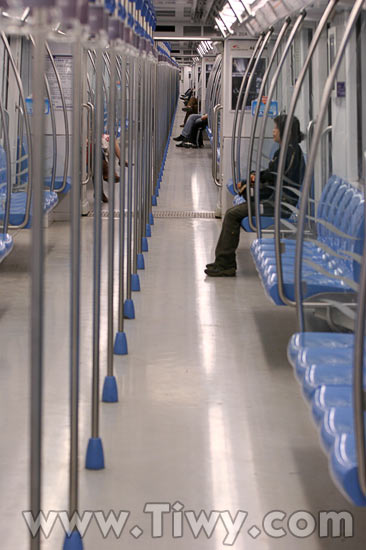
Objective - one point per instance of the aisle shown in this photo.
(210, 415)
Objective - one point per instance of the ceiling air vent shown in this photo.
(187, 52)
(187, 12)
(165, 13)
(192, 31)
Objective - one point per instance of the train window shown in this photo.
(239, 65)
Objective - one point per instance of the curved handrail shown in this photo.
(356, 10)
(8, 166)
(92, 60)
(271, 91)
(210, 87)
(325, 133)
(27, 129)
(237, 107)
(217, 109)
(88, 108)
(66, 120)
(53, 125)
(246, 96)
(285, 142)
(276, 47)
(359, 397)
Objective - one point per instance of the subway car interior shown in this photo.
(183, 274)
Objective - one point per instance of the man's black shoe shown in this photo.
(217, 271)
(182, 144)
(211, 265)
(179, 138)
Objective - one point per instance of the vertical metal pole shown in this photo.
(131, 92)
(97, 240)
(110, 391)
(148, 139)
(40, 22)
(137, 145)
(75, 281)
(122, 206)
(95, 455)
(142, 139)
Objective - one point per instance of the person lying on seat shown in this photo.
(225, 253)
(188, 137)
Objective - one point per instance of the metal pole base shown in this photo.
(144, 245)
(120, 344)
(110, 390)
(148, 230)
(140, 260)
(135, 282)
(73, 542)
(151, 219)
(129, 309)
(94, 454)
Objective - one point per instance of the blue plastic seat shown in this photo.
(58, 184)
(328, 340)
(337, 374)
(18, 203)
(6, 245)
(313, 356)
(344, 468)
(327, 397)
(339, 229)
(336, 421)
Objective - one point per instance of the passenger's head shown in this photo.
(296, 135)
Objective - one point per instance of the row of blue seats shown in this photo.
(330, 258)
(323, 362)
(323, 366)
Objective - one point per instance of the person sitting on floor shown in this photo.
(188, 137)
(225, 258)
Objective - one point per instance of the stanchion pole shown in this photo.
(73, 539)
(135, 280)
(95, 454)
(37, 262)
(110, 390)
(129, 309)
(120, 343)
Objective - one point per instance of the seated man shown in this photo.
(188, 137)
(225, 253)
(191, 108)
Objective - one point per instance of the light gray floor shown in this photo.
(209, 414)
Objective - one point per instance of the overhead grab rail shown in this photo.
(299, 299)
(270, 94)
(237, 108)
(27, 130)
(285, 142)
(245, 100)
(276, 47)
